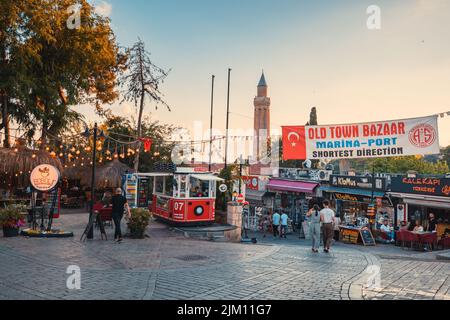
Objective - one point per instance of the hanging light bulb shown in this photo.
(88, 149)
(116, 155)
(61, 154)
(99, 148)
(33, 156)
(73, 149)
(78, 152)
(53, 154)
(47, 148)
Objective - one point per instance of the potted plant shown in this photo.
(138, 223)
(11, 220)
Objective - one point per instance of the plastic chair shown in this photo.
(429, 239)
(411, 238)
(400, 238)
(444, 243)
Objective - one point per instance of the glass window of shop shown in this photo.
(292, 204)
(422, 214)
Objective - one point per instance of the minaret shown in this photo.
(262, 119)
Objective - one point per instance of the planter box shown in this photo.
(10, 232)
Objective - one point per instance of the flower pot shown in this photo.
(10, 232)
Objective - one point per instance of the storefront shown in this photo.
(416, 197)
(293, 197)
(354, 197)
(260, 201)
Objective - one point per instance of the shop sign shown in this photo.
(44, 177)
(425, 186)
(251, 182)
(358, 182)
(381, 202)
(418, 136)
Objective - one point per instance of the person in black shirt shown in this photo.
(119, 205)
(432, 225)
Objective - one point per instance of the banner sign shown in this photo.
(251, 182)
(408, 137)
(358, 182)
(425, 186)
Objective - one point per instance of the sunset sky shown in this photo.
(314, 53)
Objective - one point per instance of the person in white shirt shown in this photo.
(284, 225)
(276, 224)
(386, 229)
(327, 219)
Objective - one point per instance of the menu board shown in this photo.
(367, 237)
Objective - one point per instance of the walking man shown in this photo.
(327, 219)
(284, 225)
(119, 205)
(314, 227)
(276, 224)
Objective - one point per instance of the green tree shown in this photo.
(123, 129)
(56, 67)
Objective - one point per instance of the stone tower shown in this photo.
(261, 119)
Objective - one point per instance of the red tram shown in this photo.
(186, 197)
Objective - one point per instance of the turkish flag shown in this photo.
(147, 144)
(294, 144)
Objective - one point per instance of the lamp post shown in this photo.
(95, 134)
(211, 124)
(228, 118)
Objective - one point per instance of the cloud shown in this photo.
(103, 8)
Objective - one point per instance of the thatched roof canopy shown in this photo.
(22, 161)
(108, 176)
(76, 173)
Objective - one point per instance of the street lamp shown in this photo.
(96, 133)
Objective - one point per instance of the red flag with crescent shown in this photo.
(294, 145)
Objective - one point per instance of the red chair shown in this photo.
(429, 239)
(444, 243)
(399, 238)
(411, 238)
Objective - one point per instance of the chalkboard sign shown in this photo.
(367, 237)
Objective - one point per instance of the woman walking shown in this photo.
(314, 227)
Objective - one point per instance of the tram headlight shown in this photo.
(199, 210)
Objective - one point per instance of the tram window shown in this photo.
(199, 189)
(169, 186)
(159, 184)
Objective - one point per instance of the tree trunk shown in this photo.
(141, 108)
(6, 124)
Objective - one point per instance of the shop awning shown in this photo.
(253, 195)
(358, 192)
(206, 177)
(422, 200)
(292, 186)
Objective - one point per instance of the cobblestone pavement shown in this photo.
(169, 266)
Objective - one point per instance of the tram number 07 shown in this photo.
(178, 207)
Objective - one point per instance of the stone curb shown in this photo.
(360, 282)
